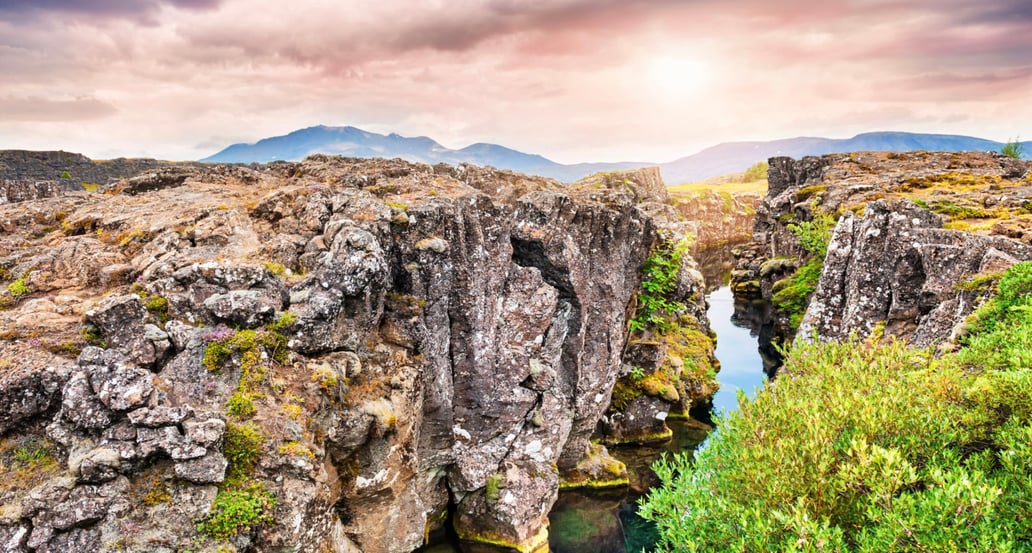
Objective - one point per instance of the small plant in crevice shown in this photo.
(20, 286)
(242, 503)
(659, 280)
(792, 294)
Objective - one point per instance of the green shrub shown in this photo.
(158, 306)
(242, 502)
(240, 405)
(1013, 148)
(755, 172)
(18, 288)
(659, 280)
(871, 448)
(238, 511)
(815, 234)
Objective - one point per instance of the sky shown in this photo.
(574, 80)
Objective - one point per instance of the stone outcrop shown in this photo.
(20, 191)
(896, 266)
(718, 219)
(361, 350)
(912, 228)
(69, 171)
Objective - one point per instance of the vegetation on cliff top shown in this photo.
(862, 447)
(753, 180)
(792, 294)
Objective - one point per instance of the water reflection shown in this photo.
(607, 522)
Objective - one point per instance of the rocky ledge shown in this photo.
(892, 244)
(333, 355)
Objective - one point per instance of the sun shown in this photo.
(677, 77)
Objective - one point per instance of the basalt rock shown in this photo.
(410, 346)
(930, 222)
(898, 267)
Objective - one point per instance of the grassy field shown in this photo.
(734, 187)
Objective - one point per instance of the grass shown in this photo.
(873, 448)
(754, 187)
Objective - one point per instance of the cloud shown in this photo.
(142, 10)
(41, 109)
(567, 78)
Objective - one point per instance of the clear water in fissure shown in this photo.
(593, 522)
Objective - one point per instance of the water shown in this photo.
(742, 367)
(588, 522)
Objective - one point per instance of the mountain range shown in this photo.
(729, 157)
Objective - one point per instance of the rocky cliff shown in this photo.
(23, 172)
(717, 219)
(332, 355)
(901, 244)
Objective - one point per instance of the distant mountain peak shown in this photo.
(721, 159)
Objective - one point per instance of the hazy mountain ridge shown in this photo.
(729, 157)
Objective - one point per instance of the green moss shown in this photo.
(284, 321)
(237, 512)
(242, 446)
(536, 544)
(808, 191)
(597, 470)
(215, 355)
(274, 268)
(946, 207)
(493, 487)
(18, 288)
(645, 438)
(240, 405)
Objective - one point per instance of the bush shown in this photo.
(18, 288)
(757, 171)
(870, 448)
(792, 294)
(659, 280)
(1013, 149)
(238, 511)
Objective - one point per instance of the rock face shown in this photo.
(718, 219)
(68, 171)
(898, 267)
(930, 222)
(355, 348)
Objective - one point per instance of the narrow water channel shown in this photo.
(590, 522)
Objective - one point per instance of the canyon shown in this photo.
(358, 355)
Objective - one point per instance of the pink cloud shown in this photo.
(572, 79)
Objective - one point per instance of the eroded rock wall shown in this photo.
(912, 228)
(398, 343)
